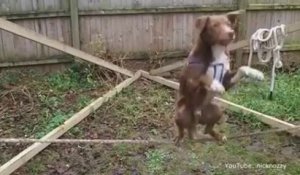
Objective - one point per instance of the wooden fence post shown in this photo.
(242, 30)
(75, 23)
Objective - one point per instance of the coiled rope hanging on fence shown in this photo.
(268, 43)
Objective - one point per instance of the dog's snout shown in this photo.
(231, 34)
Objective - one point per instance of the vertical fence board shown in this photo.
(1, 48)
(8, 45)
(74, 23)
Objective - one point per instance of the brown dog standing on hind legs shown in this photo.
(206, 75)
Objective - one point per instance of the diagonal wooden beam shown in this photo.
(31, 35)
(35, 148)
(270, 120)
(240, 44)
(179, 64)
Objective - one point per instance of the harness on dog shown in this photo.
(216, 70)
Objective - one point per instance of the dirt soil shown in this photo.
(142, 111)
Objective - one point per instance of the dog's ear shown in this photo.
(201, 22)
(233, 18)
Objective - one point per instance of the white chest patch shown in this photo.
(221, 65)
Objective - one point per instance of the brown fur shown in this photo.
(194, 105)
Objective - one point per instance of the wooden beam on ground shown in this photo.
(23, 32)
(36, 62)
(161, 80)
(270, 120)
(34, 149)
(267, 119)
(169, 67)
(179, 64)
(234, 46)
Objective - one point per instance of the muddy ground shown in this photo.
(32, 106)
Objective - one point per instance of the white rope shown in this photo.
(128, 141)
(87, 141)
(268, 43)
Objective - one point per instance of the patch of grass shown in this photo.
(71, 80)
(156, 160)
(11, 77)
(152, 101)
(76, 131)
(51, 122)
(254, 95)
(36, 168)
(50, 101)
(83, 101)
(293, 168)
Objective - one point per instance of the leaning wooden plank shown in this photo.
(272, 121)
(23, 32)
(36, 62)
(293, 27)
(161, 80)
(34, 149)
(179, 64)
(234, 46)
(168, 68)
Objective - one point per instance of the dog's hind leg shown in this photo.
(209, 129)
(180, 136)
(183, 121)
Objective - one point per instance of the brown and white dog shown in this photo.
(208, 74)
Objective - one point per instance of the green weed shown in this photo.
(50, 123)
(36, 168)
(11, 77)
(156, 160)
(83, 101)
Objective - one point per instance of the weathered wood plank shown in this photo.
(128, 4)
(8, 45)
(35, 62)
(45, 12)
(75, 23)
(264, 7)
(176, 65)
(1, 49)
(241, 32)
(11, 27)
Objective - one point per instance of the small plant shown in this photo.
(156, 160)
(98, 47)
(48, 125)
(76, 131)
(83, 101)
(36, 167)
(72, 79)
(11, 77)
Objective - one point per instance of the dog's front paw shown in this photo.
(177, 141)
(217, 86)
(252, 73)
(224, 139)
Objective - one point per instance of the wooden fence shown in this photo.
(135, 26)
